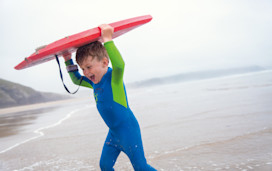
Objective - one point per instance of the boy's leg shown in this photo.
(133, 145)
(138, 160)
(109, 155)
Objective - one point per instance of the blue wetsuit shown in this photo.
(124, 131)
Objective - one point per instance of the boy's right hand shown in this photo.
(67, 56)
(106, 32)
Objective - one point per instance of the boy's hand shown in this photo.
(106, 32)
(67, 56)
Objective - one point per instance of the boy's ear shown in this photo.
(105, 62)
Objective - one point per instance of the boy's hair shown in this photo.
(94, 49)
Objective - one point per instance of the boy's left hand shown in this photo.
(67, 56)
(106, 32)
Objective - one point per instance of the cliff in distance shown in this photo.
(13, 94)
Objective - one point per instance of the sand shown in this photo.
(216, 124)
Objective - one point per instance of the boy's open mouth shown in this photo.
(92, 78)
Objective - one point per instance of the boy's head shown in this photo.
(94, 49)
(93, 59)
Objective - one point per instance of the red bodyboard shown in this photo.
(71, 43)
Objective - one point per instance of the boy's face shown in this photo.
(94, 69)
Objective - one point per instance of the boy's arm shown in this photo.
(118, 65)
(76, 76)
(117, 61)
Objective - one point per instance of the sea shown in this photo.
(213, 124)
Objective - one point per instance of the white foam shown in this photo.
(58, 164)
(250, 167)
(39, 130)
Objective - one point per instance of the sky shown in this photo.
(183, 36)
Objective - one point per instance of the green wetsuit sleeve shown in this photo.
(76, 76)
(118, 66)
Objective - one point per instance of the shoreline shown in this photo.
(39, 132)
(38, 105)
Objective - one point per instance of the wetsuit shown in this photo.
(111, 100)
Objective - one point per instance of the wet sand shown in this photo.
(217, 124)
(37, 106)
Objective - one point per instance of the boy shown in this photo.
(111, 100)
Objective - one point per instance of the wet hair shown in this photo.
(94, 49)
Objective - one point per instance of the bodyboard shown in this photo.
(72, 42)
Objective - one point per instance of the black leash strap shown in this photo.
(62, 78)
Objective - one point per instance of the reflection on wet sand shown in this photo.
(12, 123)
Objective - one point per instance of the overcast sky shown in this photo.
(183, 35)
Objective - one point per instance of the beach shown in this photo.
(222, 123)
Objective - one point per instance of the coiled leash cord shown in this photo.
(63, 81)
